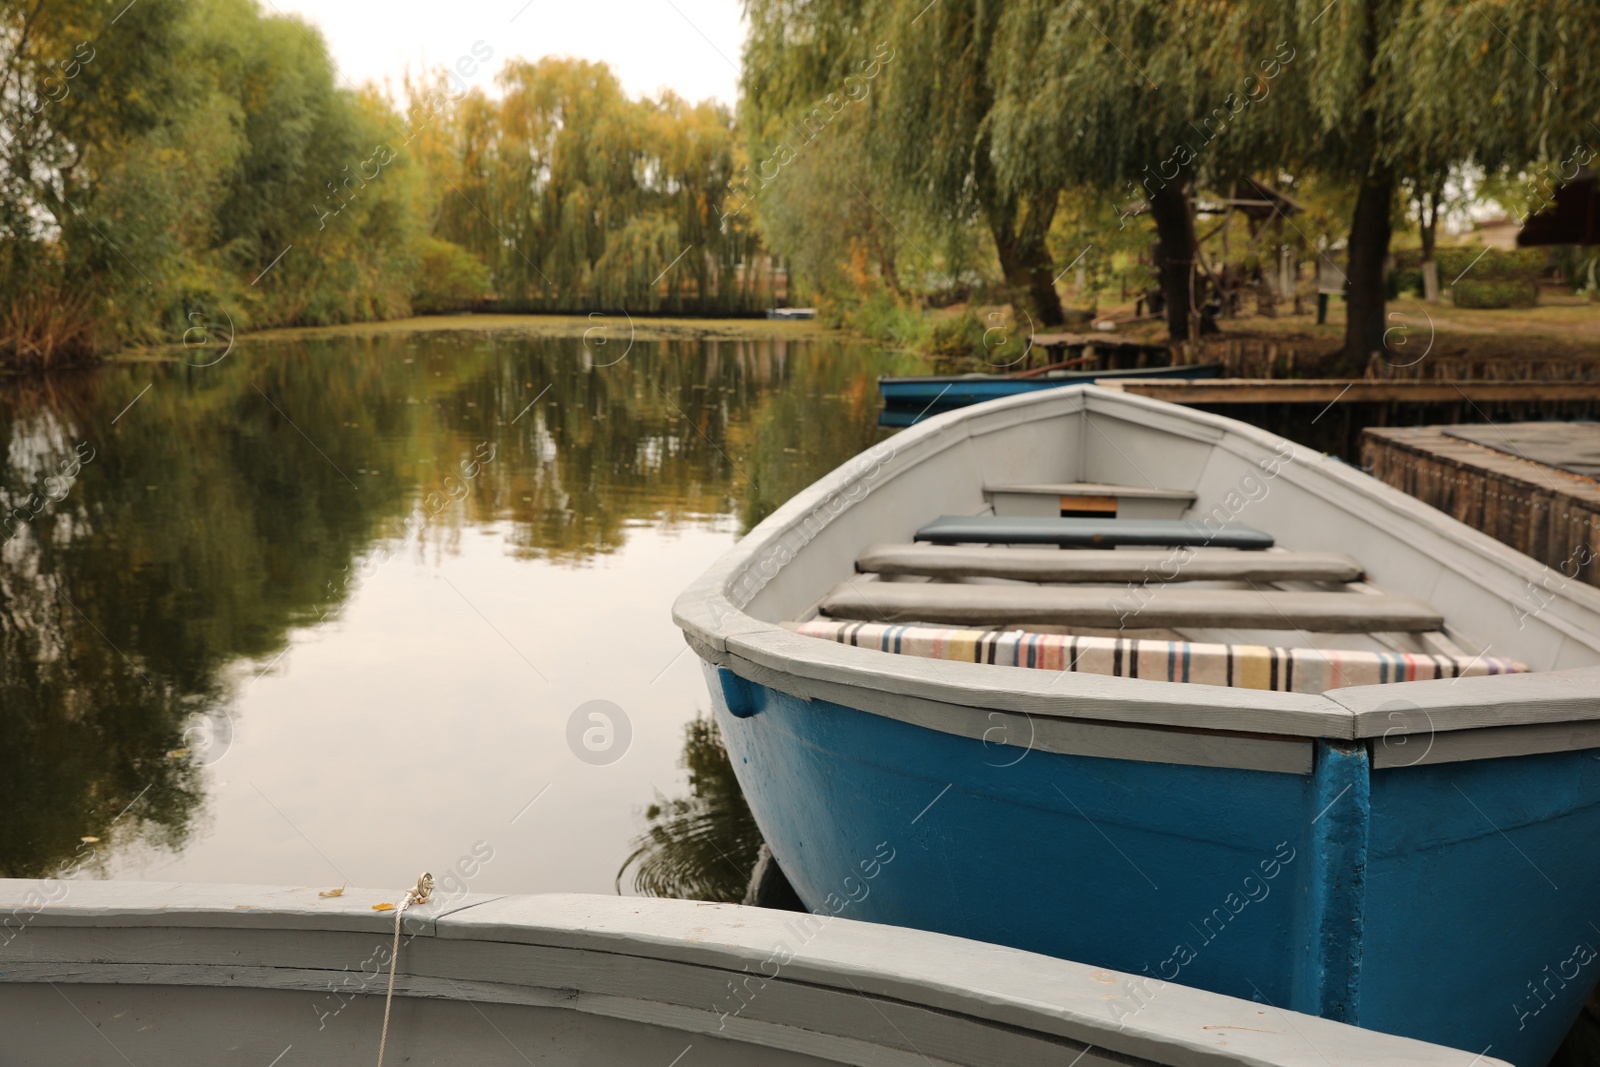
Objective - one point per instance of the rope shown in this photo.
(417, 894)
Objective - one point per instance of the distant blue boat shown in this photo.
(1356, 774)
(907, 399)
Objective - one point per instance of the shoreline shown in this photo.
(529, 325)
(563, 325)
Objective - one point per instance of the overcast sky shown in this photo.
(690, 46)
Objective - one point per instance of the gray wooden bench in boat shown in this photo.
(1095, 533)
(1097, 565)
(1088, 500)
(1166, 606)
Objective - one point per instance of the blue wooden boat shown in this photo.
(907, 400)
(1355, 774)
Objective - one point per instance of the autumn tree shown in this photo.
(578, 196)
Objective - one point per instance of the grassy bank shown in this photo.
(609, 330)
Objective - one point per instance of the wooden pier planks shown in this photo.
(1548, 514)
(1573, 447)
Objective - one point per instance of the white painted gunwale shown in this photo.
(661, 962)
(762, 651)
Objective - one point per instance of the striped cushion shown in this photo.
(1289, 670)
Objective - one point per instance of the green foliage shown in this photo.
(85, 104)
(449, 278)
(818, 213)
(576, 196)
(1113, 256)
(867, 130)
(1488, 278)
(1484, 293)
(199, 162)
(1483, 265)
(1404, 280)
(199, 159)
(162, 158)
(1579, 266)
(872, 310)
(957, 335)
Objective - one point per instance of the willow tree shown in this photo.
(821, 216)
(1438, 85)
(1401, 93)
(1363, 92)
(1136, 103)
(921, 77)
(578, 196)
(938, 140)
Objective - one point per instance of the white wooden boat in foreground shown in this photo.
(1269, 728)
(153, 973)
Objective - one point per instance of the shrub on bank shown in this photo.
(1525, 264)
(45, 327)
(1494, 294)
(1489, 278)
(1579, 266)
(449, 278)
(873, 310)
(1404, 280)
(957, 335)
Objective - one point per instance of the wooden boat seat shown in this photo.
(1082, 532)
(1288, 670)
(1089, 500)
(1165, 606)
(1107, 565)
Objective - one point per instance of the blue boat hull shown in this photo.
(1451, 902)
(935, 393)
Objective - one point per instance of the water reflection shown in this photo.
(702, 846)
(228, 507)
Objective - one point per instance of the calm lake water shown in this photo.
(324, 612)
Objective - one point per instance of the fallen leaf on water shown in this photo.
(332, 892)
(175, 753)
(90, 840)
(383, 907)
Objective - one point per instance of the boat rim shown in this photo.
(673, 953)
(1511, 714)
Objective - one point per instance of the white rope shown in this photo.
(417, 894)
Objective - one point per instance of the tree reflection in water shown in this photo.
(701, 846)
(229, 506)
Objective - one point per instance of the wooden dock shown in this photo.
(1355, 391)
(1102, 351)
(1330, 414)
(1516, 482)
